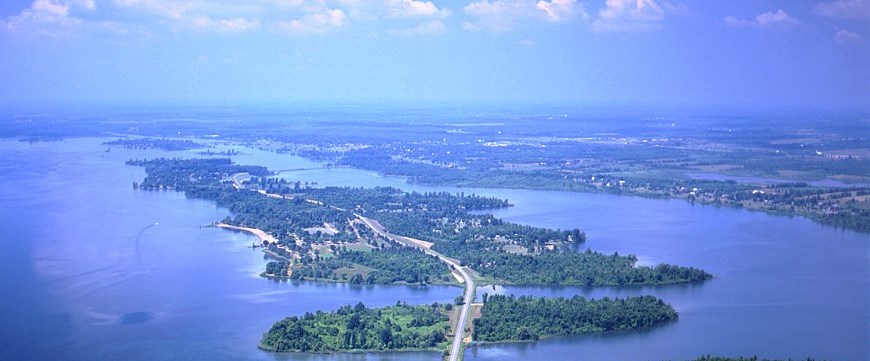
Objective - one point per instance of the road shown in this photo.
(463, 316)
(237, 183)
(468, 297)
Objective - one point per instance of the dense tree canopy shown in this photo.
(509, 318)
(361, 328)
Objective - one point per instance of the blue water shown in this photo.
(76, 288)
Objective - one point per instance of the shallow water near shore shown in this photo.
(88, 276)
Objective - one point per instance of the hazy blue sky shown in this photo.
(728, 52)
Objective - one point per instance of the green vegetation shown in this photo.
(528, 255)
(319, 236)
(396, 265)
(200, 178)
(358, 328)
(508, 318)
(834, 206)
(164, 144)
(586, 268)
(302, 252)
(555, 168)
(657, 159)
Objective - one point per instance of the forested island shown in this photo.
(358, 328)
(503, 318)
(527, 318)
(319, 233)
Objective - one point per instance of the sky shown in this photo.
(755, 53)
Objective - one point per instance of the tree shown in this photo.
(353, 322)
(386, 336)
(523, 334)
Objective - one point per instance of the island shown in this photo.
(503, 318)
(358, 328)
(527, 318)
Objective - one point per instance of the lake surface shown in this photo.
(87, 276)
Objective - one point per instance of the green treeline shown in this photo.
(508, 318)
(360, 328)
(189, 174)
(580, 268)
(361, 199)
(389, 265)
(856, 219)
(164, 144)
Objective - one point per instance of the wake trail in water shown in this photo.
(139, 237)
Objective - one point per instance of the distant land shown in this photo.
(813, 165)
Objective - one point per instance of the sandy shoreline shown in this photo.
(263, 236)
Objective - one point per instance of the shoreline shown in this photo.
(330, 280)
(352, 351)
(263, 236)
(551, 337)
(815, 217)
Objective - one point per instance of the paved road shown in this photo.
(375, 226)
(469, 283)
(463, 316)
(237, 183)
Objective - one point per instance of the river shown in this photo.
(88, 276)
